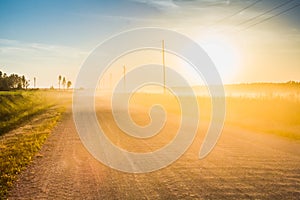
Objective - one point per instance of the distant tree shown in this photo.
(1, 81)
(59, 80)
(4, 82)
(12, 82)
(27, 84)
(23, 82)
(69, 83)
(64, 82)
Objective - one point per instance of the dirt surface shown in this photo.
(243, 165)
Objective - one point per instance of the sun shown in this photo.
(224, 55)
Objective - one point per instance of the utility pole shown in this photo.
(34, 82)
(124, 75)
(103, 83)
(164, 65)
(110, 80)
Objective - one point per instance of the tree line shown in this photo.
(62, 81)
(12, 82)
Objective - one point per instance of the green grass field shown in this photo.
(19, 106)
(27, 118)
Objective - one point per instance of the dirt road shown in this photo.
(244, 165)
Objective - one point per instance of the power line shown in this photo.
(264, 13)
(269, 18)
(236, 13)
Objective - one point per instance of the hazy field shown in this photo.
(268, 108)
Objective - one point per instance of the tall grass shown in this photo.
(18, 147)
(19, 106)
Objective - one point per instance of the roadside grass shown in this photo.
(19, 146)
(19, 106)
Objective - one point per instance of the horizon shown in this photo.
(108, 87)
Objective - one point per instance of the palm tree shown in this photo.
(69, 83)
(64, 82)
(59, 80)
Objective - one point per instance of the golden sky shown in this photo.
(249, 41)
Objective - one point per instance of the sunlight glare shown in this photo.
(223, 54)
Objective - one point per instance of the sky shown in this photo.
(44, 39)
